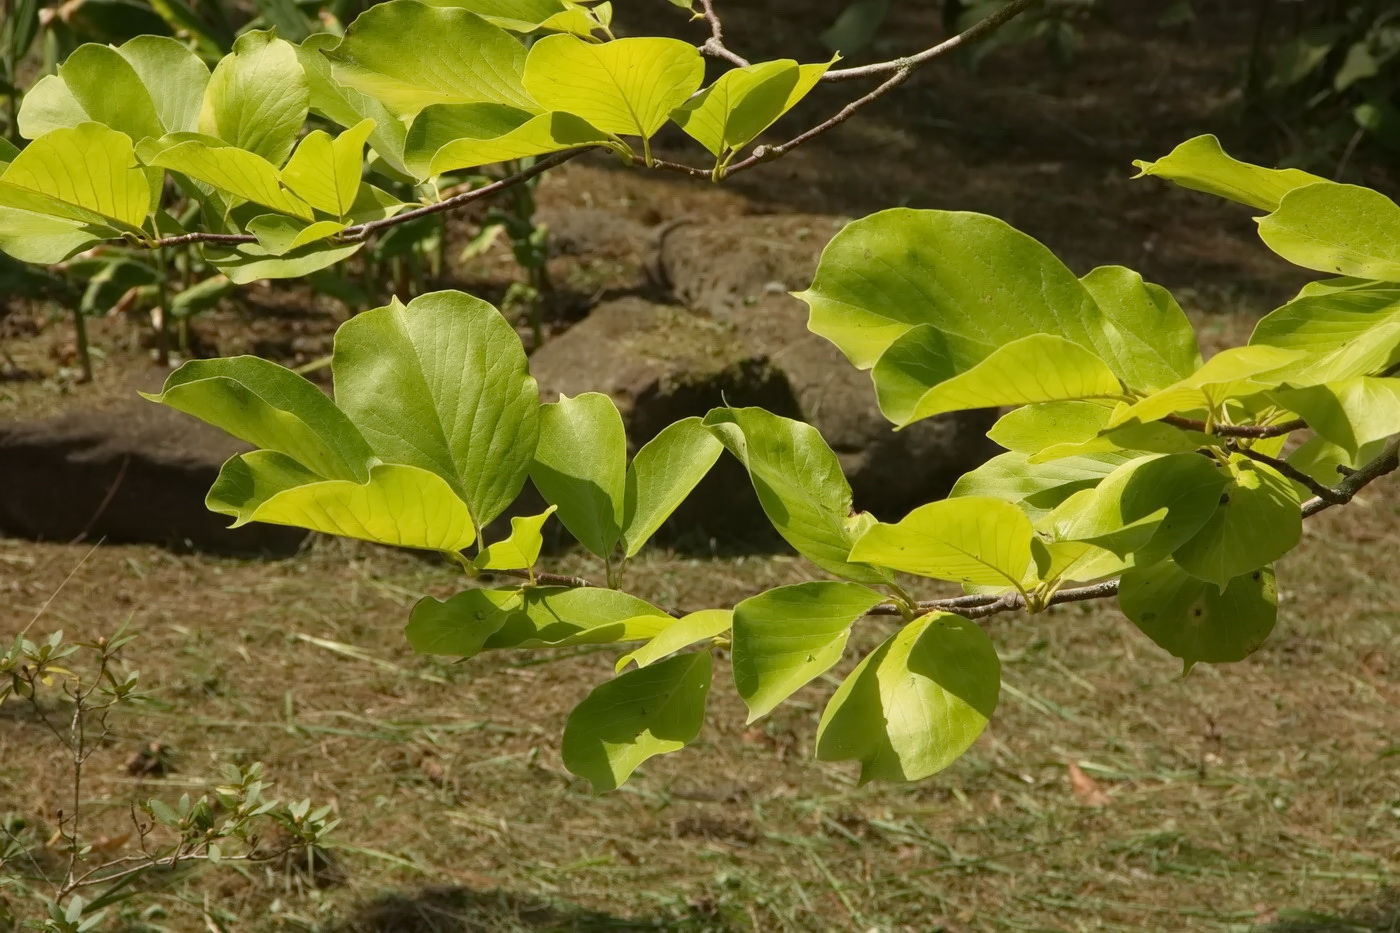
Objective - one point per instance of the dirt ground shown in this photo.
(1262, 796)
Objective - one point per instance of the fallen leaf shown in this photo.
(1086, 790)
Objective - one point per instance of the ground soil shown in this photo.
(1260, 796)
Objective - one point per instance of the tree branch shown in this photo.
(1248, 431)
(1320, 490)
(714, 46)
(1388, 461)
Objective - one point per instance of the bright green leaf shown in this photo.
(279, 234)
(1037, 488)
(916, 703)
(799, 484)
(1338, 229)
(325, 172)
(1233, 372)
(174, 77)
(1350, 413)
(47, 106)
(787, 637)
(686, 631)
(347, 106)
(253, 262)
(1150, 327)
(110, 92)
(645, 712)
(257, 98)
(1258, 522)
(732, 112)
(448, 137)
(89, 168)
(443, 384)
(271, 407)
(559, 616)
(662, 474)
(581, 466)
(1194, 620)
(239, 172)
(1032, 428)
(521, 549)
(977, 541)
(1201, 165)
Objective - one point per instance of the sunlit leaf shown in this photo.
(257, 98)
(581, 466)
(347, 106)
(799, 484)
(744, 102)
(1149, 326)
(447, 137)
(559, 616)
(1031, 428)
(688, 630)
(460, 626)
(442, 384)
(786, 637)
(280, 235)
(1037, 488)
(1350, 413)
(1233, 372)
(239, 172)
(1338, 229)
(644, 712)
(1197, 621)
(1201, 165)
(109, 91)
(916, 703)
(521, 549)
(1258, 521)
(662, 474)
(325, 172)
(978, 541)
(89, 168)
(253, 262)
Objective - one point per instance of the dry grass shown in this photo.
(1238, 798)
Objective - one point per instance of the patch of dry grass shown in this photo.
(1259, 796)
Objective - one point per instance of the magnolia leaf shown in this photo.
(914, 379)
(175, 78)
(271, 407)
(686, 631)
(87, 173)
(732, 112)
(799, 484)
(1257, 522)
(645, 712)
(521, 550)
(47, 106)
(399, 505)
(581, 466)
(246, 481)
(325, 172)
(1196, 621)
(916, 703)
(455, 57)
(460, 626)
(1338, 229)
(626, 87)
(971, 540)
(978, 282)
(561, 616)
(1350, 413)
(239, 172)
(448, 137)
(44, 239)
(443, 384)
(1231, 373)
(252, 262)
(1201, 165)
(1145, 509)
(1350, 330)
(515, 15)
(257, 98)
(279, 235)
(347, 106)
(1153, 332)
(787, 637)
(662, 474)
(1032, 428)
(109, 91)
(1037, 488)
(1152, 437)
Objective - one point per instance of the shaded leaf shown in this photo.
(1195, 620)
(581, 466)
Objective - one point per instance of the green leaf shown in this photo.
(279, 235)
(1352, 328)
(460, 626)
(347, 106)
(47, 106)
(457, 58)
(684, 632)
(627, 87)
(976, 541)
(1201, 165)
(975, 280)
(252, 262)
(559, 616)
(663, 473)
(515, 15)
(110, 92)
(916, 703)
(1032, 428)
(787, 637)
(732, 112)
(43, 239)
(325, 172)
(799, 484)
(1037, 488)
(1145, 509)
(1196, 621)
(399, 505)
(1338, 229)
(248, 480)
(916, 377)
(650, 711)
(200, 297)
(241, 173)
(581, 466)
(174, 77)
(521, 550)
(1231, 373)
(271, 407)
(258, 97)
(1258, 522)
(1153, 437)
(443, 384)
(86, 173)
(1350, 413)
(448, 137)
(1152, 331)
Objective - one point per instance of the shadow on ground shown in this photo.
(462, 910)
(1380, 914)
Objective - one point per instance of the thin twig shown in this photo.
(714, 46)
(1388, 461)
(1249, 431)
(1320, 490)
